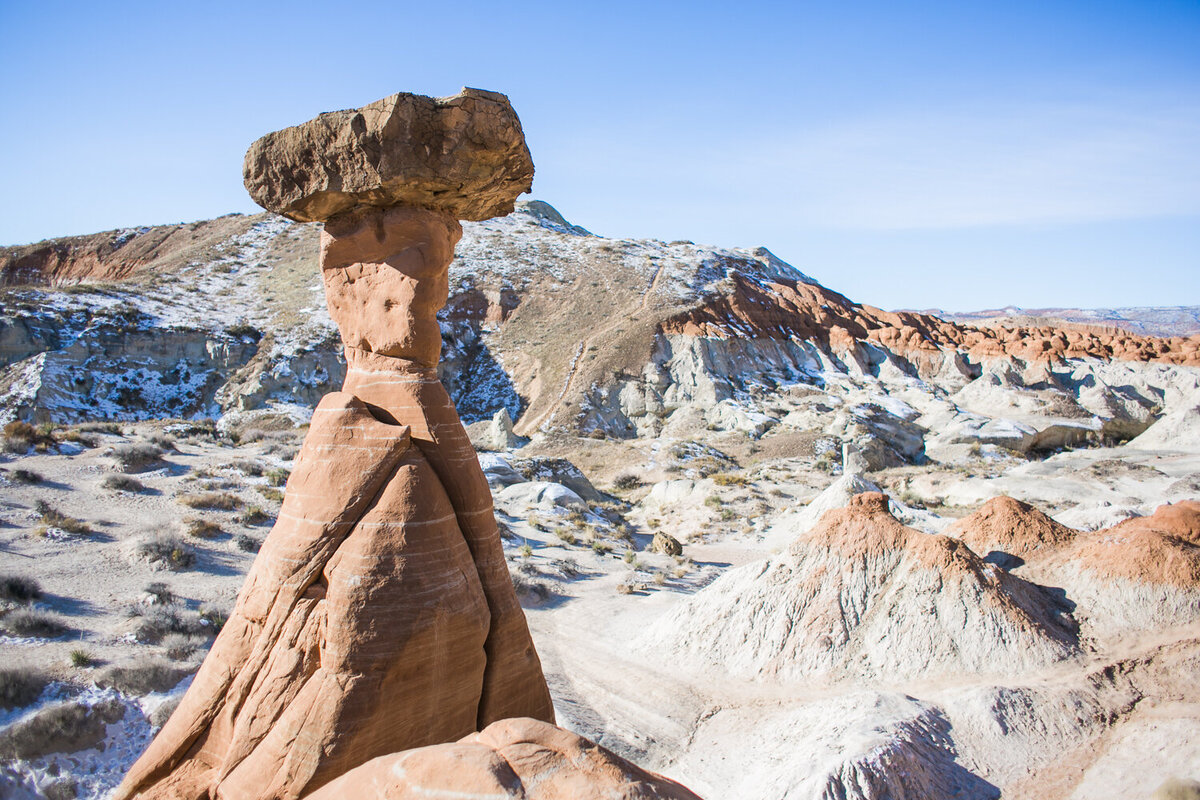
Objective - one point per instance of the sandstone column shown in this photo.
(379, 615)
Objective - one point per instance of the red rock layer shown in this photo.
(519, 759)
(379, 615)
(787, 309)
(866, 528)
(112, 255)
(1163, 548)
(1013, 527)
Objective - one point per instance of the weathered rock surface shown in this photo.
(379, 615)
(464, 155)
(1008, 527)
(862, 595)
(521, 759)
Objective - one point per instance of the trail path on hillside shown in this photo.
(525, 427)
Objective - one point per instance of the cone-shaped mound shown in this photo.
(863, 595)
(1179, 520)
(1011, 527)
(1162, 549)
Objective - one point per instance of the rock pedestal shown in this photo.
(379, 615)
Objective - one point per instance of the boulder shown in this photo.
(464, 155)
(666, 544)
(521, 759)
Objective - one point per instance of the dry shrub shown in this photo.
(251, 468)
(61, 728)
(142, 676)
(627, 481)
(167, 550)
(136, 457)
(20, 436)
(51, 517)
(180, 646)
(161, 441)
(20, 686)
(278, 476)
(530, 589)
(99, 427)
(254, 516)
(19, 589)
(247, 543)
(202, 528)
(26, 476)
(27, 622)
(729, 479)
(216, 501)
(157, 622)
(160, 715)
(123, 483)
(270, 493)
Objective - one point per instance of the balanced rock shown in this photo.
(463, 155)
(521, 759)
(379, 615)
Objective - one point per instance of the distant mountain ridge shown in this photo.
(1143, 320)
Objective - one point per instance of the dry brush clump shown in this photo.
(26, 476)
(61, 728)
(20, 437)
(20, 686)
(202, 528)
(19, 589)
(142, 676)
(51, 517)
(212, 501)
(155, 623)
(123, 483)
(136, 457)
(32, 623)
(166, 550)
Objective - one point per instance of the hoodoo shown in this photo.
(379, 615)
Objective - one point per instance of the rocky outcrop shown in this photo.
(464, 155)
(1007, 528)
(1138, 575)
(379, 615)
(517, 759)
(861, 595)
(797, 309)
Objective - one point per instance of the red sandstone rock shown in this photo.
(1163, 548)
(379, 615)
(1012, 527)
(812, 312)
(464, 155)
(521, 759)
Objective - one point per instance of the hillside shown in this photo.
(770, 542)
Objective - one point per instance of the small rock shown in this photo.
(666, 544)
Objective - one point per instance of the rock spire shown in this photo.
(379, 615)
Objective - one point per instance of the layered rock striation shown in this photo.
(517, 759)
(863, 596)
(379, 615)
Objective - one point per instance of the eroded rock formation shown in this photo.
(521, 759)
(379, 615)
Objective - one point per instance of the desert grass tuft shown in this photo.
(20, 686)
(19, 589)
(217, 501)
(27, 622)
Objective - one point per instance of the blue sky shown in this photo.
(909, 154)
